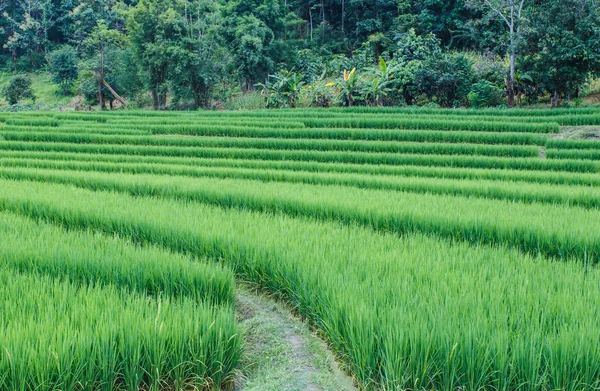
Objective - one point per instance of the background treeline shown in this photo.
(209, 53)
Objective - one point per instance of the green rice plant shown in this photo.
(550, 230)
(404, 312)
(579, 154)
(541, 113)
(32, 122)
(425, 123)
(78, 128)
(80, 117)
(584, 196)
(208, 121)
(392, 159)
(572, 144)
(89, 258)
(185, 166)
(279, 144)
(56, 334)
(350, 134)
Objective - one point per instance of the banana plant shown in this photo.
(284, 90)
(380, 86)
(348, 87)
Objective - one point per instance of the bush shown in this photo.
(63, 67)
(19, 88)
(485, 94)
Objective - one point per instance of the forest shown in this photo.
(188, 54)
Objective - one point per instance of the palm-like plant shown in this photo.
(284, 90)
(348, 87)
(380, 85)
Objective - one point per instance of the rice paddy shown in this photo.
(431, 249)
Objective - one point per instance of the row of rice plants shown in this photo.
(550, 230)
(78, 128)
(89, 258)
(394, 159)
(583, 118)
(483, 318)
(580, 154)
(312, 115)
(184, 166)
(355, 134)
(81, 311)
(280, 124)
(543, 177)
(347, 121)
(542, 113)
(426, 123)
(572, 144)
(279, 144)
(584, 196)
(31, 121)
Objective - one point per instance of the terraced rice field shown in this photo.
(446, 250)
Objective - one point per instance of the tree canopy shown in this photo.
(196, 52)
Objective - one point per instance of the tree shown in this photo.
(18, 88)
(563, 49)
(511, 13)
(63, 66)
(201, 60)
(349, 87)
(80, 18)
(154, 31)
(258, 32)
(97, 44)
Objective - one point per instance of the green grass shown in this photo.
(46, 92)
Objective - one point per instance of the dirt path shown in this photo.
(281, 353)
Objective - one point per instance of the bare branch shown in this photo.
(521, 8)
(496, 10)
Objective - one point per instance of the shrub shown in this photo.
(485, 94)
(19, 88)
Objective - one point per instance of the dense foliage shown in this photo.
(203, 53)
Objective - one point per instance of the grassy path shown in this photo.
(281, 353)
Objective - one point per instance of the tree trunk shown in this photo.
(511, 80)
(155, 102)
(311, 22)
(101, 78)
(554, 100)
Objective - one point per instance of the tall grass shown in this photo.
(89, 258)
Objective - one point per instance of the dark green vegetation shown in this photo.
(432, 249)
(185, 54)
